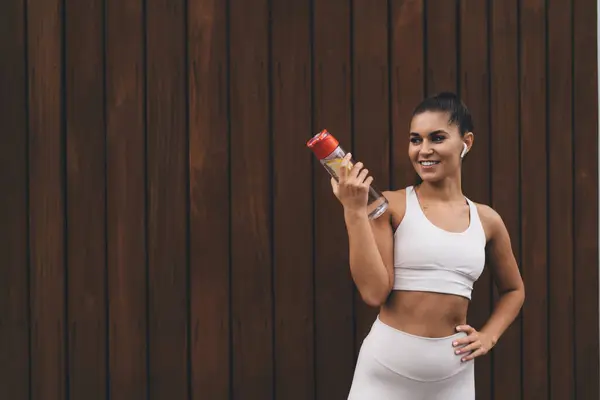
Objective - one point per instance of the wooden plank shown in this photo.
(251, 204)
(475, 92)
(441, 46)
(167, 196)
(14, 295)
(371, 124)
(585, 201)
(560, 201)
(85, 197)
(533, 198)
(407, 75)
(126, 203)
(334, 322)
(293, 206)
(505, 178)
(46, 201)
(209, 199)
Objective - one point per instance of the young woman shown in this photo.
(418, 263)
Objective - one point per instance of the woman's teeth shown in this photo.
(429, 163)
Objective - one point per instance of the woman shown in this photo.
(418, 263)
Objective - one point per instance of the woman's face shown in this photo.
(435, 146)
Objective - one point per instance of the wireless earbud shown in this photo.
(465, 150)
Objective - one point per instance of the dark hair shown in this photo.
(450, 103)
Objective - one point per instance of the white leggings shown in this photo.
(395, 365)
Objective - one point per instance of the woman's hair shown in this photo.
(449, 103)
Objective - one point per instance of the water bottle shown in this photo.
(327, 149)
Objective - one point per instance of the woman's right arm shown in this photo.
(371, 255)
(370, 242)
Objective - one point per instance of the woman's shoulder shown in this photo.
(490, 219)
(396, 206)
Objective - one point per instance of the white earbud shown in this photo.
(465, 150)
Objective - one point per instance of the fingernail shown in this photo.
(457, 351)
(455, 344)
(463, 359)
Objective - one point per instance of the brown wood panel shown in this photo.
(167, 197)
(14, 295)
(85, 197)
(441, 52)
(293, 205)
(474, 90)
(504, 174)
(560, 201)
(46, 201)
(209, 199)
(370, 113)
(251, 202)
(332, 94)
(585, 201)
(407, 74)
(533, 198)
(126, 200)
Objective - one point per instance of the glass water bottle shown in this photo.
(329, 152)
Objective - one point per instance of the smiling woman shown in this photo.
(418, 263)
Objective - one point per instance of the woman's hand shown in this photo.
(352, 190)
(477, 343)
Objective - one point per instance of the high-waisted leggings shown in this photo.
(394, 365)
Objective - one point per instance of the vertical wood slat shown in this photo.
(209, 199)
(370, 114)
(505, 179)
(46, 200)
(585, 200)
(291, 79)
(167, 198)
(406, 80)
(441, 45)
(85, 197)
(473, 81)
(126, 200)
(14, 307)
(533, 198)
(560, 201)
(252, 302)
(334, 315)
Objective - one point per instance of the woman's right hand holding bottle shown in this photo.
(352, 190)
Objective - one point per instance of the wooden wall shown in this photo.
(165, 234)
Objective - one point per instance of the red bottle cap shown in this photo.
(323, 144)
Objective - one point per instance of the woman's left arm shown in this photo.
(510, 286)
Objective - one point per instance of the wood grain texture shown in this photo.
(85, 197)
(291, 78)
(14, 295)
(251, 200)
(126, 200)
(46, 200)
(209, 199)
(534, 198)
(167, 197)
(560, 201)
(474, 90)
(504, 175)
(585, 200)
(441, 38)
(334, 289)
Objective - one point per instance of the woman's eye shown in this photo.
(437, 139)
(415, 140)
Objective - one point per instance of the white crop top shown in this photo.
(428, 258)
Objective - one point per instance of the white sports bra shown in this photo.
(428, 258)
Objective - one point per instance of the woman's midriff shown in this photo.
(425, 314)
